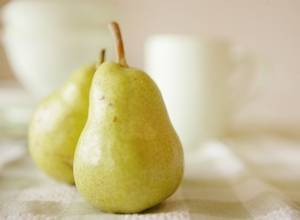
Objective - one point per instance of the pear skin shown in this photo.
(57, 123)
(129, 157)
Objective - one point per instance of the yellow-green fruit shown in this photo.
(128, 157)
(57, 123)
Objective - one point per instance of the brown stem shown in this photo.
(115, 29)
(101, 57)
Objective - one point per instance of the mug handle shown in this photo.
(251, 68)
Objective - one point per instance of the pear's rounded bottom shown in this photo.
(126, 203)
(125, 209)
(59, 175)
(53, 167)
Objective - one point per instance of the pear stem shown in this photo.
(101, 58)
(115, 29)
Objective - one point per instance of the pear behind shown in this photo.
(57, 123)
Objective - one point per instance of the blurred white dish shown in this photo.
(28, 15)
(46, 40)
(44, 63)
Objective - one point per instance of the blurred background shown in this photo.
(64, 34)
(225, 68)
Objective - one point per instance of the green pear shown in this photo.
(57, 123)
(129, 157)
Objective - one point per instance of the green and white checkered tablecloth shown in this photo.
(249, 178)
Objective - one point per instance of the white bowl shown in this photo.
(46, 40)
(44, 63)
(29, 15)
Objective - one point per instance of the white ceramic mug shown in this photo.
(194, 77)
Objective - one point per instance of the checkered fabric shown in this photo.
(245, 178)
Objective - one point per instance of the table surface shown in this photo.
(245, 178)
